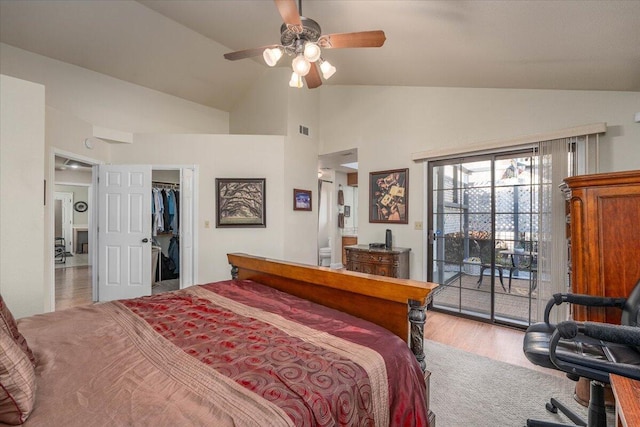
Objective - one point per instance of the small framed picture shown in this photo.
(389, 196)
(241, 202)
(301, 200)
(347, 211)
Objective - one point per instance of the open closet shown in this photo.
(165, 223)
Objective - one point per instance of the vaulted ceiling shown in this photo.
(177, 46)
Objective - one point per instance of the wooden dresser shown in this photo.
(392, 262)
(603, 214)
(347, 241)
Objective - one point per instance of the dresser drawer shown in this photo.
(374, 257)
(389, 263)
(385, 270)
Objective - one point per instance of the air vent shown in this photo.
(304, 130)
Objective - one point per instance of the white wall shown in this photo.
(300, 171)
(271, 107)
(108, 102)
(263, 110)
(71, 176)
(388, 124)
(22, 193)
(221, 156)
(80, 194)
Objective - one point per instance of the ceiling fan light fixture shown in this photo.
(327, 69)
(301, 65)
(312, 51)
(272, 56)
(296, 81)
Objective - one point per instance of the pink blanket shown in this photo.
(233, 352)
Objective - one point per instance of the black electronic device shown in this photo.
(376, 245)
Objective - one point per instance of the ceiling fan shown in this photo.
(302, 38)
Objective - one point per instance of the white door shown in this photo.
(124, 231)
(187, 221)
(65, 216)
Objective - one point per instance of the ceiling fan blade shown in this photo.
(247, 53)
(289, 12)
(313, 77)
(374, 38)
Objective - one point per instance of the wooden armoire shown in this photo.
(604, 236)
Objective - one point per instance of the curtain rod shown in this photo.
(448, 151)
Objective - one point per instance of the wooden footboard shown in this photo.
(398, 305)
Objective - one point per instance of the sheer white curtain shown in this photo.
(555, 160)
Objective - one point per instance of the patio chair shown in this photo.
(500, 264)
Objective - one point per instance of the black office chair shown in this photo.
(587, 349)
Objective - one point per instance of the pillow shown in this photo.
(8, 323)
(17, 382)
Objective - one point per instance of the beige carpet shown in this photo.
(475, 391)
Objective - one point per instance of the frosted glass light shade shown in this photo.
(327, 69)
(312, 52)
(300, 65)
(272, 56)
(296, 81)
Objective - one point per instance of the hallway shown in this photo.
(73, 286)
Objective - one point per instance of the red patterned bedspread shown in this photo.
(249, 350)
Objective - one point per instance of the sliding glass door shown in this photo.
(484, 219)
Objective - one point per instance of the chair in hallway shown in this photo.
(60, 250)
(587, 349)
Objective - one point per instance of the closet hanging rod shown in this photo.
(171, 185)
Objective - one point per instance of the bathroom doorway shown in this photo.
(337, 205)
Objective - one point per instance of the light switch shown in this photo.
(207, 224)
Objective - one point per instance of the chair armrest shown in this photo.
(621, 334)
(584, 300)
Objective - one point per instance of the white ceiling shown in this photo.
(176, 46)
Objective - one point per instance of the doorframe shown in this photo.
(50, 233)
(195, 209)
(67, 201)
(429, 252)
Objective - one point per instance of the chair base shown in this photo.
(597, 412)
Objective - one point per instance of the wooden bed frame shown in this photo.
(398, 305)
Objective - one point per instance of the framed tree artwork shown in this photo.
(389, 196)
(241, 202)
(301, 200)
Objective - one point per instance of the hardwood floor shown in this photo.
(493, 341)
(73, 288)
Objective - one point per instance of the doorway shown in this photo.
(72, 208)
(337, 205)
(128, 228)
(484, 219)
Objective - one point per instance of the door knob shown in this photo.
(145, 240)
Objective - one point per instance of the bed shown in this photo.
(280, 344)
